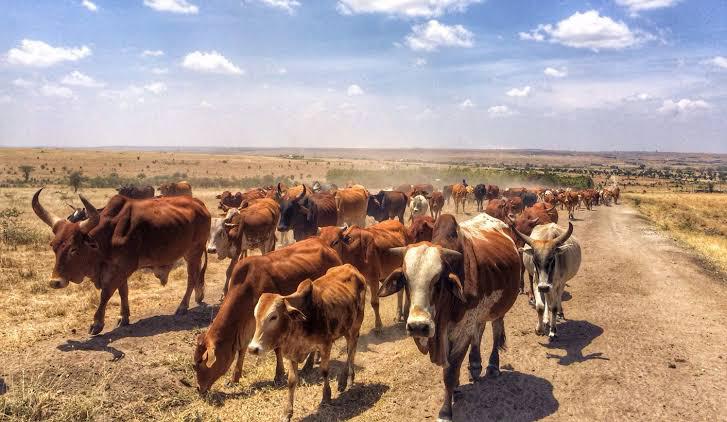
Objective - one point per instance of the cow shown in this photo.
(136, 192)
(459, 194)
(128, 235)
(514, 192)
(493, 192)
(387, 205)
(465, 277)
(351, 205)
(549, 197)
(324, 187)
(515, 204)
(586, 197)
(280, 271)
(228, 200)
(175, 189)
(305, 213)
(533, 216)
(614, 192)
(498, 208)
(447, 192)
(367, 249)
(571, 200)
(418, 206)
(480, 194)
(405, 188)
(310, 320)
(529, 199)
(423, 189)
(553, 256)
(436, 203)
(420, 230)
(252, 227)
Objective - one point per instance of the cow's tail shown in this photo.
(498, 334)
(200, 281)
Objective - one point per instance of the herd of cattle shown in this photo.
(450, 278)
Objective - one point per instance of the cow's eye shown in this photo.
(73, 251)
(273, 318)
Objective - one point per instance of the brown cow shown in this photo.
(421, 189)
(572, 198)
(128, 235)
(310, 320)
(436, 203)
(136, 192)
(515, 204)
(368, 250)
(279, 271)
(228, 200)
(351, 204)
(420, 230)
(447, 192)
(465, 277)
(175, 189)
(498, 208)
(252, 227)
(459, 194)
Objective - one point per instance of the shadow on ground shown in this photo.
(513, 396)
(352, 402)
(197, 317)
(573, 337)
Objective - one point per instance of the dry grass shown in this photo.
(698, 220)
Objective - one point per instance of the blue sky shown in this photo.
(582, 75)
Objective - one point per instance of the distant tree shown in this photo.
(26, 170)
(75, 179)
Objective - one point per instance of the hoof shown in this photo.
(123, 322)
(286, 418)
(531, 302)
(443, 417)
(561, 316)
(492, 372)
(279, 380)
(230, 384)
(552, 338)
(180, 311)
(95, 328)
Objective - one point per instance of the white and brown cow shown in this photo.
(418, 206)
(310, 320)
(553, 256)
(468, 275)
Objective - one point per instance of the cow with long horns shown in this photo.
(128, 235)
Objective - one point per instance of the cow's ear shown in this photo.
(393, 283)
(429, 224)
(294, 313)
(304, 210)
(90, 242)
(209, 357)
(455, 286)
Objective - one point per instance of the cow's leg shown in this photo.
(498, 343)
(475, 358)
(124, 295)
(399, 304)
(292, 383)
(522, 273)
(347, 376)
(540, 309)
(450, 374)
(374, 289)
(279, 372)
(559, 300)
(107, 290)
(243, 339)
(193, 267)
(531, 293)
(199, 270)
(325, 361)
(553, 312)
(228, 274)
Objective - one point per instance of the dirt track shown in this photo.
(644, 339)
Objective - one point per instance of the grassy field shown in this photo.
(697, 219)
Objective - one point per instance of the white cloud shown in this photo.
(636, 6)
(683, 106)
(128, 93)
(88, 4)
(172, 6)
(77, 78)
(156, 87)
(718, 61)
(420, 61)
(23, 83)
(500, 111)
(464, 105)
(152, 53)
(641, 96)
(286, 5)
(50, 90)
(39, 54)
(404, 8)
(589, 30)
(212, 62)
(282, 71)
(519, 92)
(205, 104)
(432, 35)
(5, 99)
(556, 73)
(354, 90)
(159, 70)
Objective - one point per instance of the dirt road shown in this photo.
(644, 339)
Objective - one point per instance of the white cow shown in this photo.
(419, 207)
(553, 257)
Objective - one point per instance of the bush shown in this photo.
(14, 233)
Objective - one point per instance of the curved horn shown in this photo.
(524, 237)
(534, 221)
(400, 251)
(344, 227)
(302, 194)
(280, 191)
(72, 207)
(92, 212)
(46, 216)
(451, 253)
(563, 237)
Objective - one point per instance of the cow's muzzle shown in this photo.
(211, 249)
(420, 328)
(283, 228)
(254, 348)
(543, 287)
(58, 283)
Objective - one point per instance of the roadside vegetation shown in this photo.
(696, 219)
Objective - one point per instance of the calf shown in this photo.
(554, 257)
(418, 206)
(467, 276)
(436, 203)
(279, 271)
(368, 250)
(480, 194)
(310, 320)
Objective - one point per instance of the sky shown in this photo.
(569, 75)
